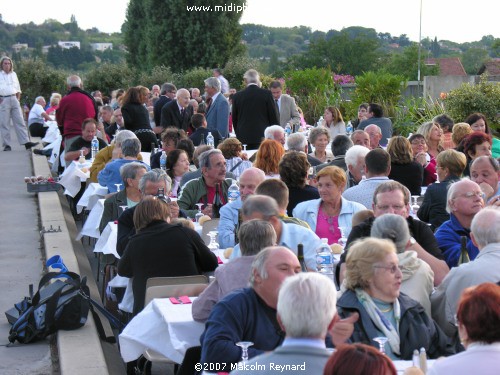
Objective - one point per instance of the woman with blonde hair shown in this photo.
(459, 132)
(333, 121)
(433, 136)
(373, 282)
(268, 157)
(403, 168)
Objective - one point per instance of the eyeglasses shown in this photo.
(415, 143)
(471, 194)
(392, 269)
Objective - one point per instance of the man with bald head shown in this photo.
(230, 218)
(250, 313)
(74, 108)
(375, 135)
(485, 171)
(178, 112)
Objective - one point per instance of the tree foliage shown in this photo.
(108, 77)
(162, 32)
(406, 64)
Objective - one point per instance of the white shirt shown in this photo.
(9, 84)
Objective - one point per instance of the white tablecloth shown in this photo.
(91, 226)
(106, 243)
(73, 177)
(164, 327)
(92, 194)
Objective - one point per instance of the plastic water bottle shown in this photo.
(210, 139)
(348, 128)
(94, 147)
(320, 121)
(233, 192)
(288, 129)
(324, 259)
(163, 161)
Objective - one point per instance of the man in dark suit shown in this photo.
(167, 94)
(287, 108)
(217, 112)
(254, 109)
(177, 112)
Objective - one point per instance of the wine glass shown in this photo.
(213, 245)
(81, 159)
(123, 208)
(118, 187)
(415, 206)
(199, 214)
(381, 340)
(244, 148)
(343, 238)
(244, 345)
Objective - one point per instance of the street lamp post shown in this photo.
(419, 47)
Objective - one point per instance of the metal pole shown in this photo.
(419, 47)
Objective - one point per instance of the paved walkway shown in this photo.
(20, 259)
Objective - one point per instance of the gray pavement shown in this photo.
(21, 260)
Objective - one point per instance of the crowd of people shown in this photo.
(317, 183)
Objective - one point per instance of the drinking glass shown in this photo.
(199, 214)
(381, 340)
(343, 238)
(123, 208)
(415, 207)
(118, 187)
(244, 148)
(244, 345)
(213, 245)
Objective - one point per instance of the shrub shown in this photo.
(483, 97)
(193, 78)
(236, 67)
(157, 76)
(37, 78)
(108, 77)
(381, 88)
(413, 112)
(314, 90)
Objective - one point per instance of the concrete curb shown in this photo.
(80, 351)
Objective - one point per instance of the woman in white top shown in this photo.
(320, 138)
(478, 320)
(333, 121)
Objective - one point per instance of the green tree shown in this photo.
(473, 58)
(108, 77)
(406, 64)
(172, 35)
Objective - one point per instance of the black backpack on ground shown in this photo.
(62, 304)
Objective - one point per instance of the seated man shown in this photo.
(274, 132)
(254, 236)
(392, 197)
(303, 349)
(230, 218)
(289, 235)
(485, 171)
(110, 175)
(485, 233)
(340, 144)
(375, 135)
(199, 136)
(463, 202)
(111, 152)
(211, 185)
(298, 142)
(249, 314)
(82, 143)
(113, 206)
(355, 162)
(37, 118)
(151, 183)
(360, 138)
(377, 168)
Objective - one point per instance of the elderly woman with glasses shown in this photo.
(387, 317)
(464, 200)
(161, 249)
(331, 211)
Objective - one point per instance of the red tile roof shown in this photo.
(491, 67)
(449, 66)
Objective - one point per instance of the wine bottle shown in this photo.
(464, 255)
(217, 203)
(300, 255)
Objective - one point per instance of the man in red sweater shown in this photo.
(75, 107)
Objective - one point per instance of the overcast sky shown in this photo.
(453, 20)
